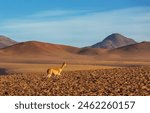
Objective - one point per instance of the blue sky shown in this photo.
(74, 22)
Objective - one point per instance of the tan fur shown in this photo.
(55, 71)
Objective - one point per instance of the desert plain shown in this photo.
(99, 78)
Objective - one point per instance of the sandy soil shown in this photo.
(7, 68)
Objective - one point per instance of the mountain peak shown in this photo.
(114, 40)
(114, 35)
(5, 41)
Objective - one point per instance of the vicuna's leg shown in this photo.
(49, 73)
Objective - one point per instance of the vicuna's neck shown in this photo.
(62, 66)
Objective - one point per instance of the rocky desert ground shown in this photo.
(125, 81)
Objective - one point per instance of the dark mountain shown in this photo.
(5, 41)
(114, 41)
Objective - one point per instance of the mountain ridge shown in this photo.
(37, 48)
(33, 49)
(142, 48)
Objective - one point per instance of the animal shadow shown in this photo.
(3, 71)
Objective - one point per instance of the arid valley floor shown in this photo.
(76, 80)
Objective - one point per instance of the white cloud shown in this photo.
(81, 30)
(56, 13)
